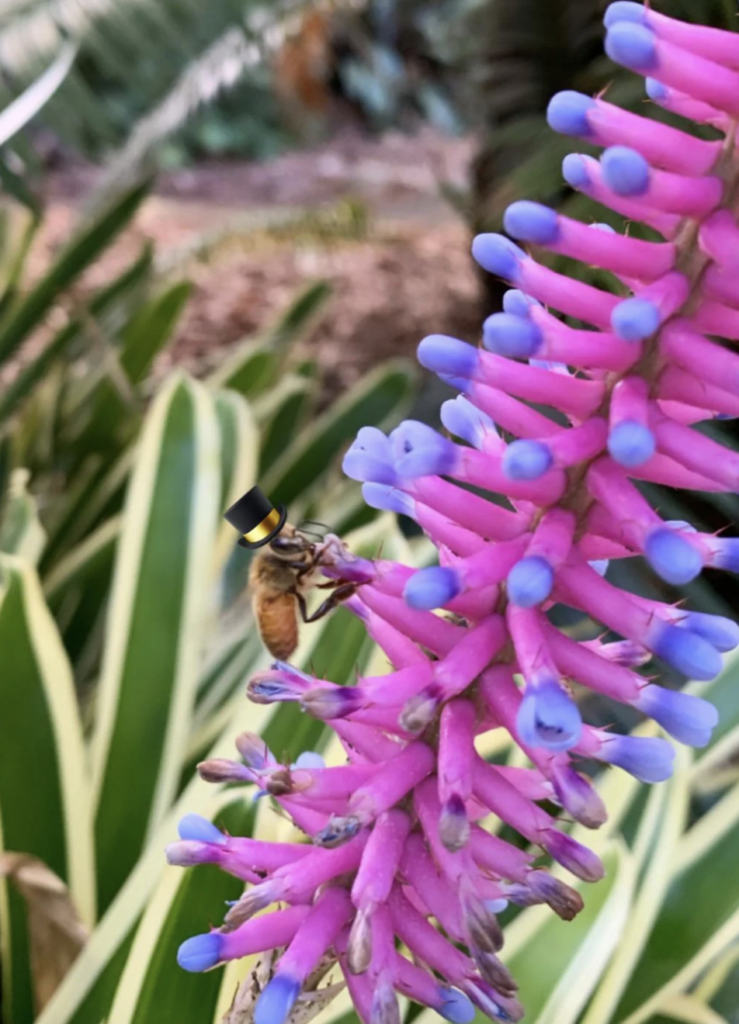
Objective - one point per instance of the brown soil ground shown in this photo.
(403, 274)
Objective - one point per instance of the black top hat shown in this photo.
(256, 518)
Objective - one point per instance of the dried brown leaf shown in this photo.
(56, 934)
(311, 1001)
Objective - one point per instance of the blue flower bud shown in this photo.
(575, 171)
(449, 356)
(625, 171)
(631, 443)
(647, 759)
(465, 420)
(631, 45)
(720, 632)
(200, 953)
(518, 302)
(548, 718)
(277, 1000)
(672, 557)
(624, 10)
(370, 458)
(388, 499)
(635, 319)
(531, 222)
(309, 759)
(530, 581)
(498, 255)
(194, 826)
(688, 652)
(463, 384)
(656, 91)
(688, 719)
(509, 335)
(526, 460)
(455, 1006)
(567, 113)
(419, 450)
(432, 588)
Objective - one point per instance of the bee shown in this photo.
(281, 574)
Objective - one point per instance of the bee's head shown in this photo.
(290, 543)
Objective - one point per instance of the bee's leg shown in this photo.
(341, 593)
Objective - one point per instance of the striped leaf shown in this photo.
(45, 805)
(154, 635)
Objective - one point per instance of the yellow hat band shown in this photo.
(267, 525)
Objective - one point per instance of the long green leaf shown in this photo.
(45, 805)
(155, 623)
(22, 110)
(82, 251)
(380, 398)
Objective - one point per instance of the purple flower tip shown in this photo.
(625, 171)
(548, 718)
(526, 460)
(567, 113)
(530, 581)
(448, 356)
(200, 953)
(575, 171)
(498, 255)
(728, 554)
(518, 302)
(625, 10)
(688, 652)
(720, 632)
(647, 759)
(635, 319)
(465, 420)
(418, 450)
(631, 45)
(656, 91)
(195, 827)
(631, 443)
(431, 588)
(510, 335)
(672, 557)
(691, 720)
(388, 499)
(531, 222)
(455, 1006)
(369, 458)
(277, 1000)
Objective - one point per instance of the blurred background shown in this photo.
(224, 228)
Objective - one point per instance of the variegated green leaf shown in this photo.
(45, 807)
(158, 610)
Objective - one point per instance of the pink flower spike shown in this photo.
(315, 934)
(576, 397)
(359, 985)
(470, 656)
(697, 452)
(392, 781)
(269, 932)
(432, 632)
(660, 144)
(577, 661)
(528, 781)
(596, 349)
(491, 565)
(585, 174)
(510, 414)
(708, 361)
(630, 441)
(677, 68)
(714, 43)
(721, 284)
(420, 871)
(503, 799)
(678, 386)
(423, 940)
(468, 510)
(685, 106)
(380, 859)
(714, 318)
(625, 256)
(456, 755)
(495, 856)
(719, 238)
